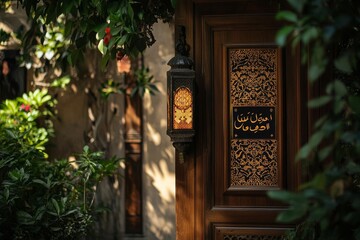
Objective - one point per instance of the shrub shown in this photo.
(42, 199)
(328, 205)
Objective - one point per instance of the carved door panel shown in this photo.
(249, 123)
(247, 130)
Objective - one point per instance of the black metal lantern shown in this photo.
(180, 90)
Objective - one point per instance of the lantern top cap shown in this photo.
(182, 49)
(180, 61)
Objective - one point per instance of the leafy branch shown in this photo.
(328, 205)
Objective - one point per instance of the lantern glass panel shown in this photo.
(183, 108)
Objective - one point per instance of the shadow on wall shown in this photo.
(159, 202)
(159, 155)
(158, 159)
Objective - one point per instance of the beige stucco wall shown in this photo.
(159, 163)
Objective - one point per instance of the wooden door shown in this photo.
(251, 120)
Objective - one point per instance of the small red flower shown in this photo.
(107, 40)
(107, 36)
(26, 107)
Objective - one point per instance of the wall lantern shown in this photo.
(180, 90)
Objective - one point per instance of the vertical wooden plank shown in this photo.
(133, 170)
(185, 173)
(184, 198)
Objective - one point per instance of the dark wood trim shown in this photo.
(185, 172)
(133, 170)
(185, 198)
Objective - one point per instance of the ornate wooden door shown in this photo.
(250, 122)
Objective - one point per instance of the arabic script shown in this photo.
(248, 122)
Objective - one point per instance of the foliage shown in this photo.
(62, 32)
(123, 27)
(141, 84)
(41, 199)
(144, 83)
(328, 205)
(19, 116)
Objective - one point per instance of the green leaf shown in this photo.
(283, 196)
(325, 152)
(25, 218)
(318, 182)
(7, 193)
(338, 106)
(11, 134)
(86, 149)
(287, 16)
(343, 63)
(101, 46)
(304, 152)
(69, 59)
(316, 138)
(55, 229)
(131, 12)
(41, 182)
(70, 212)
(100, 30)
(111, 43)
(282, 35)
(298, 5)
(340, 88)
(318, 61)
(309, 34)
(56, 206)
(354, 168)
(61, 82)
(67, 6)
(298, 206)
(315, 71)
(39, 213)
(354, 102)
(318, 102)
(115, 30)
(292, 214)
(320, 122)
(123, 39)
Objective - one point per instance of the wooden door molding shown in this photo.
(207, 208)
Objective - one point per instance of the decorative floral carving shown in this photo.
(253, 163)
(253, 73)
(252, 237)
